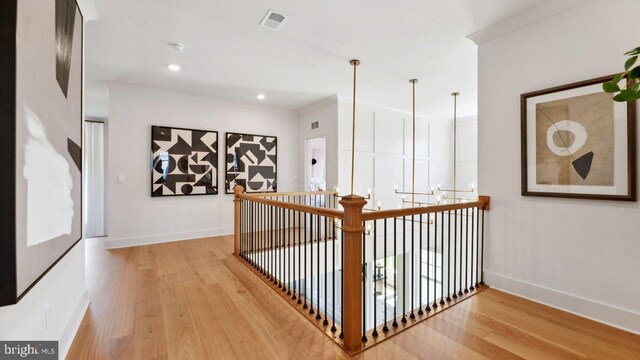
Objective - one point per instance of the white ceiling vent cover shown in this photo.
(273, 20)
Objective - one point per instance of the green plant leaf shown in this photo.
(618, 77)
(635, 51)
(619, 98)
(630, 62)
(627, 95)
(611, 87)
(635, 73)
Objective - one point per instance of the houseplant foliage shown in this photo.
(632, 74)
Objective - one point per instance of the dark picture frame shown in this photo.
(231, 176)
(10, 239)
(210, 184)
(630, 151)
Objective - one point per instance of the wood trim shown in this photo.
(332, 213)
(237, 218)
(384, 214)
(631, 146)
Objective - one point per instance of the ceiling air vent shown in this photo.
(273, 20)
(315, 125)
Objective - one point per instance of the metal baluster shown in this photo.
(318, 227)
(442, 258)
(299, 259)
(413, 274)
(306, 275)
(466, 253)
(395, 272)
(448, 255)
(404, 270)
(428, 307)
(373, 276)
(455, 252)
(477, 246)
(326, 272)
(385, 328)
(311, 311)
(333, 273)
(435, 261)
(482, 255)
(279, 267)
(342, 282)
(473, 231)
(462, 222)
(420, 312)
(364, 276)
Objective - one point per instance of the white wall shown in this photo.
(384, 153)
(53, 308)
(579, 255)
(134, 216)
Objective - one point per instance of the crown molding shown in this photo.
(525, 18)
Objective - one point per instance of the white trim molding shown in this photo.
(522, 19)
(600, 312)
(163, 238)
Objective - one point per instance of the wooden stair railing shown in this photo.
(271, 230)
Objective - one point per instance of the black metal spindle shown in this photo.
(466, 253)
(442, 258)
(413, 274)
(428, 307)
(477, 246)
(299, 242)
(473, 231)
(373, 276)
(455, 252)
(311, 311)
(306, 273)
(420, 312)
(448, 255)
(333, 273)
(395, 272)
(326, 272)
(279, 267)
(342, 282)
(435, 261)
(462, 222)
(404, 270)
(385, 328)
(318, 227)
(482, 250)
(364, 276)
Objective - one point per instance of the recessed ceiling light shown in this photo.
(261, 96)
(174, 67)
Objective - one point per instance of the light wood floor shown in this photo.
(194, 300)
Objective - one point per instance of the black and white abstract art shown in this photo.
(252, 162)
(41, 152)
(184, 161)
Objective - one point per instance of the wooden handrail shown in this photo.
(384, 214)
(294, 193)
(332, 213)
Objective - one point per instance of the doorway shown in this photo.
(316, 169)
(94, 179)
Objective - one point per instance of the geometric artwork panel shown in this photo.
(184, 162)
(251, 162)
(41, 153)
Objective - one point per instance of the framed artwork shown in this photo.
(578, 143)
(183, 162)
(252, 161)
(41, 151)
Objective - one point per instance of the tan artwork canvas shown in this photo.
(575, 142)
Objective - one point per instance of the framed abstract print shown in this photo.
(251, 162)
(578, 143)
(183, 162)
(41, 151)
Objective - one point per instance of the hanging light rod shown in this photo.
(354, 63)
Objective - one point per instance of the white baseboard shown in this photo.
(162, 238)
(604, 313)
(71, 329)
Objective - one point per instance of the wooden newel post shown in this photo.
(237, 190)
(352, 273)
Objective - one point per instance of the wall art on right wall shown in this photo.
(578, 143)
(252, 162)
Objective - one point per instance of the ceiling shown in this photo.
(229, 56)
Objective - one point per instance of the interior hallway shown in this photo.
(194, 300)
